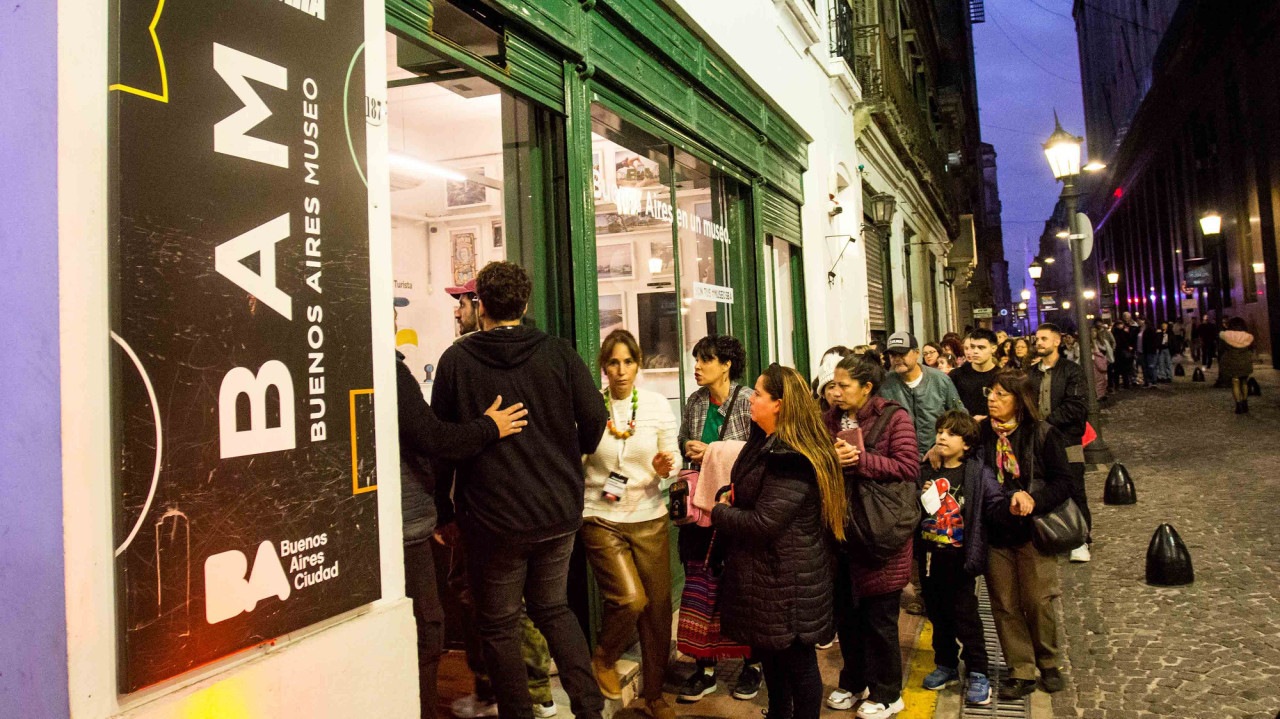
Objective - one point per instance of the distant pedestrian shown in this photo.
(1023, 353)
(952, 343)
(1101, 365)
(1237, 361)
(947, 362)
(1208, 334)
(1149, 344)
(1023, 581)
(929, 354)
(786, 505)
(1164, 354)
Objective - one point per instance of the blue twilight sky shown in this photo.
(1028, 65)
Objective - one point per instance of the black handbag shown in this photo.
(1062, 529)
(882, 516)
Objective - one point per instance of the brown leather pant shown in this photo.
(632, 567)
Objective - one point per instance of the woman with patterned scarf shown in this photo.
(1023, 582)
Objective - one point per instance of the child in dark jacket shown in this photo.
(953, 552)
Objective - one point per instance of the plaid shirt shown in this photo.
(736, 426)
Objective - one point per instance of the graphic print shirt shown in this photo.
(946, 526)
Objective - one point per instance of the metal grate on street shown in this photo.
(1019, 709)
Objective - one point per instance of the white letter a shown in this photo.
(228, 259)
(229, 136)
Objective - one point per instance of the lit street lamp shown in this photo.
(1062, 150)
(1090, 294)
(1211, 223)
(1035, 270)
(1026, 294)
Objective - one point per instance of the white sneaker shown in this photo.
(876, 710)
(546, 711)
(842, 700)
(470, 707)
(552, 669)
(1081, 553)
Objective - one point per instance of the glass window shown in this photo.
(705, 199)
(783, 314)
(635, 249)
(462, 195)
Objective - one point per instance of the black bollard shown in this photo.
(1178, 371)
(1168, 561)
(1255, 389)
(1119, 488)
(1198, 375)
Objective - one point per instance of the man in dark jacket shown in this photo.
(424, 437)
(519, 504)
(1061, 389)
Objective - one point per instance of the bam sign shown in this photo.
(242, 366)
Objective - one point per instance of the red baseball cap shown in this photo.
(467, 289)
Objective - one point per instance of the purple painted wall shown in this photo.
(33, 648)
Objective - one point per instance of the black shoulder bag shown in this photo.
(882, 515)
(1062, 529)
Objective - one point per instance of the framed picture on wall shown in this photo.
(657, 319)
(497, 235)
(613, 313)
(616, 261)
(632, 170)
(662, 258)
(465, 193)
(462, 254)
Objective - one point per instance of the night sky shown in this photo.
(1028, 65)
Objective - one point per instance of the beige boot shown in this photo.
(607, 677)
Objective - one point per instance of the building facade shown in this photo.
(1179, 103)
(675, 169)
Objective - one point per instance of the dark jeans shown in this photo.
(952, 605)
(794, 682)
(504, 572)
(1079, 495)
(869, 641)
(420, 586)
(1149, 367)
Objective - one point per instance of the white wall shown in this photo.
(360, 664)
(769, 41)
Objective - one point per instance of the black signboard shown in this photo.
(1048, 301)
(1197, 272)
(242, 369)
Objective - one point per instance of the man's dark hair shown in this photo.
(982, 333)
(504, 288)
(1052, 328)
(960, 424)
(1237, 324)
(864, 370)
(725, 348)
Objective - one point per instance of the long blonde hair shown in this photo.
(800, 427)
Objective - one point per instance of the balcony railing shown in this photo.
(840, 27)
(888, 93)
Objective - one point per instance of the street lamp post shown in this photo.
(1113, 279)
(1063, 152)
(1036, 271)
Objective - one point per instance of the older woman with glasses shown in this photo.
(1023, 581)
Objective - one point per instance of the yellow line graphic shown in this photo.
(164, 75)
(355, 460)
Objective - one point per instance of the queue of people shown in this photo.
(772, 483)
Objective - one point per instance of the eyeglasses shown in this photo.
(1000, 394)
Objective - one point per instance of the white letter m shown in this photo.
(229, 136)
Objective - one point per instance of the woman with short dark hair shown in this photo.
(1023, 581)
(929, 354)
(625, 527)
(720, 409)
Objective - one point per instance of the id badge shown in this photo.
(615, 487)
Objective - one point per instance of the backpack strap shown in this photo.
(872, 435)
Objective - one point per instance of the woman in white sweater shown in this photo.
(626, 528)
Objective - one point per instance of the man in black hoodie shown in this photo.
(519, 503)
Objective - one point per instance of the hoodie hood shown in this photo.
(504, 347)
(1238, 339)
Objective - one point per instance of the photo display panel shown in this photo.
(244, 475)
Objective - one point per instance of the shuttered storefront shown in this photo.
(780, 216)
(876, 261)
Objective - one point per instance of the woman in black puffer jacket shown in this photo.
(777, 525)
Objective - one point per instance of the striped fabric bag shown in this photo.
(699, 632)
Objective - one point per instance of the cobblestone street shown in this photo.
(1211, 649)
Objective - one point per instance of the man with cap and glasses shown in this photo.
(925, 392)
(464, 315)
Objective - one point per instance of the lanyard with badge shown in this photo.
(615, 487)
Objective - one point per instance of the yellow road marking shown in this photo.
(920, 702)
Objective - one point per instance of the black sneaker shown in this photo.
(1051, 680)
(1015, 689)
(698, 685)
(749, 680)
